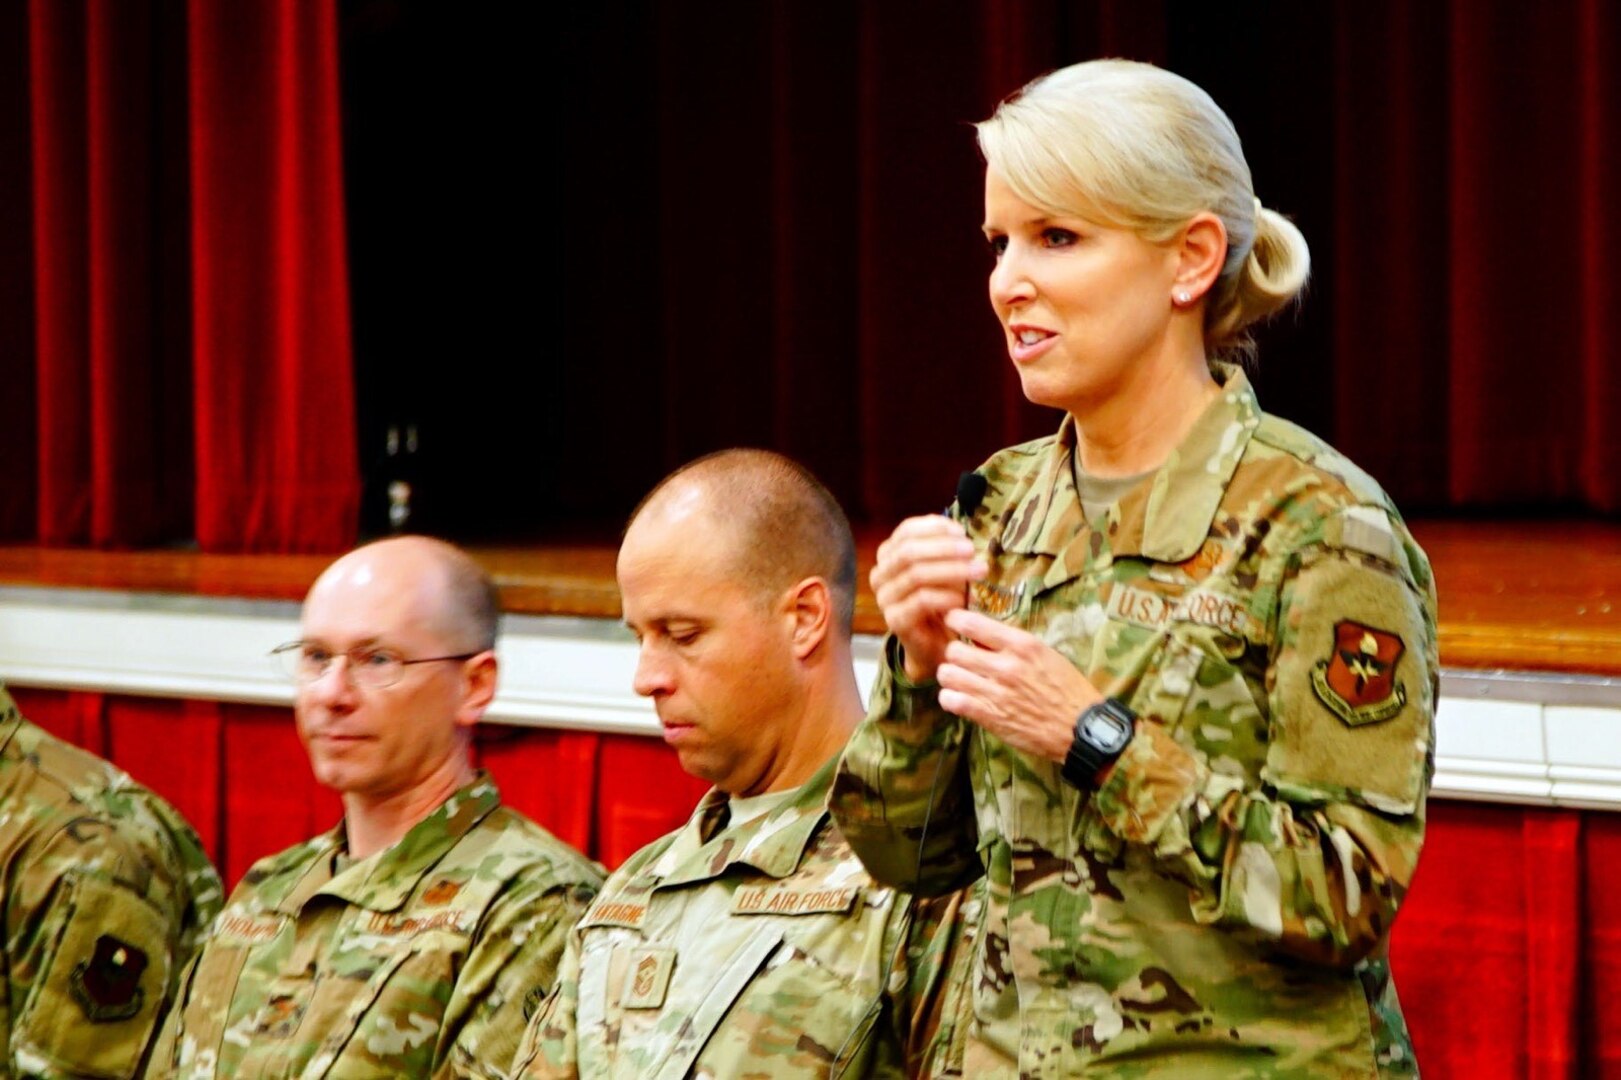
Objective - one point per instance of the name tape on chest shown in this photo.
(1153, 611)
(236, 928)
(616, 912)
(791, 900)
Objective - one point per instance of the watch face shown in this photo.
(1105, 731)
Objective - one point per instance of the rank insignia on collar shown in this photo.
(1358, 682)
(1204, 561)
(108, 985)
(442, 893)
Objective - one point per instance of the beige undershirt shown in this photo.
(746, 810)
(1100, 493)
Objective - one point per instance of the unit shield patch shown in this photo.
(1358, 681)
(108, 985)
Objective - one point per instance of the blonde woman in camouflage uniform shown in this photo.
(1170, 686)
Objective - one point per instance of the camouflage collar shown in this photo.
(773, 844)
(386, 880)
(1166, 517)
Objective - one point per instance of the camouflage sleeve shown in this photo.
(510, 969)
(1317, 856)
(902, 796)
(200, 894)
(549, 1048)
(160, 1059)
(934, 1008)
(96, 932)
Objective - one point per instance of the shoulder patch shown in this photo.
(107, 986)
(1358, 680)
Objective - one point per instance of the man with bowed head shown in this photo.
(411, 939)
(749, 942)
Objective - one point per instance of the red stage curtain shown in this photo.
(190, 347)
(558, 795)
(1478, 150)
(276, 460)
(802, 269)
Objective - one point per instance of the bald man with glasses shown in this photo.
(412, 939)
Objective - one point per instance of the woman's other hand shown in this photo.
(1012, 684)
(922, 574)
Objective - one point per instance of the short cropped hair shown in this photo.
(1132, 146)
(786, 525)
(472, 610)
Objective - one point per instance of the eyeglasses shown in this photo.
(305, 662)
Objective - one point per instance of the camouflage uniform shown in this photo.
(1220, 906)
(414, 961)
(106, 893)
(761, 949)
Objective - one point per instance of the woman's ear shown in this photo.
(1201, 253)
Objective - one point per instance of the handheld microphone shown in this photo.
(971, 487)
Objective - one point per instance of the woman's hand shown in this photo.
(1012, 684)
(922, 573)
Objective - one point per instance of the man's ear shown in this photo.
(809, 608)
(478, 687)
(1201, 253)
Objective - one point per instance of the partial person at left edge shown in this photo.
(415, 938)
(106, 893)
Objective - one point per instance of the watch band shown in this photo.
(1089, 756)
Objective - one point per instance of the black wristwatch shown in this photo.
(1101, 734)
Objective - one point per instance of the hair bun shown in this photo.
(1273, 273)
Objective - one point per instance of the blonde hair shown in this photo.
(1132, 146)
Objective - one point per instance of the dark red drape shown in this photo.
(275, 401)
(1507, 953)
(190, 357)
(762, 217)
(1477, 150)
(800, 265)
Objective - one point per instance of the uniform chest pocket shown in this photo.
(381, 1007)
(775, 1010)
(1201, 691)
(191, 1045)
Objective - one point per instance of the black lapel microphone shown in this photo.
(971, 488)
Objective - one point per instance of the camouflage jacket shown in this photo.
(416, 961)
(762, 949)
(1220, 905)
(106, 893)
